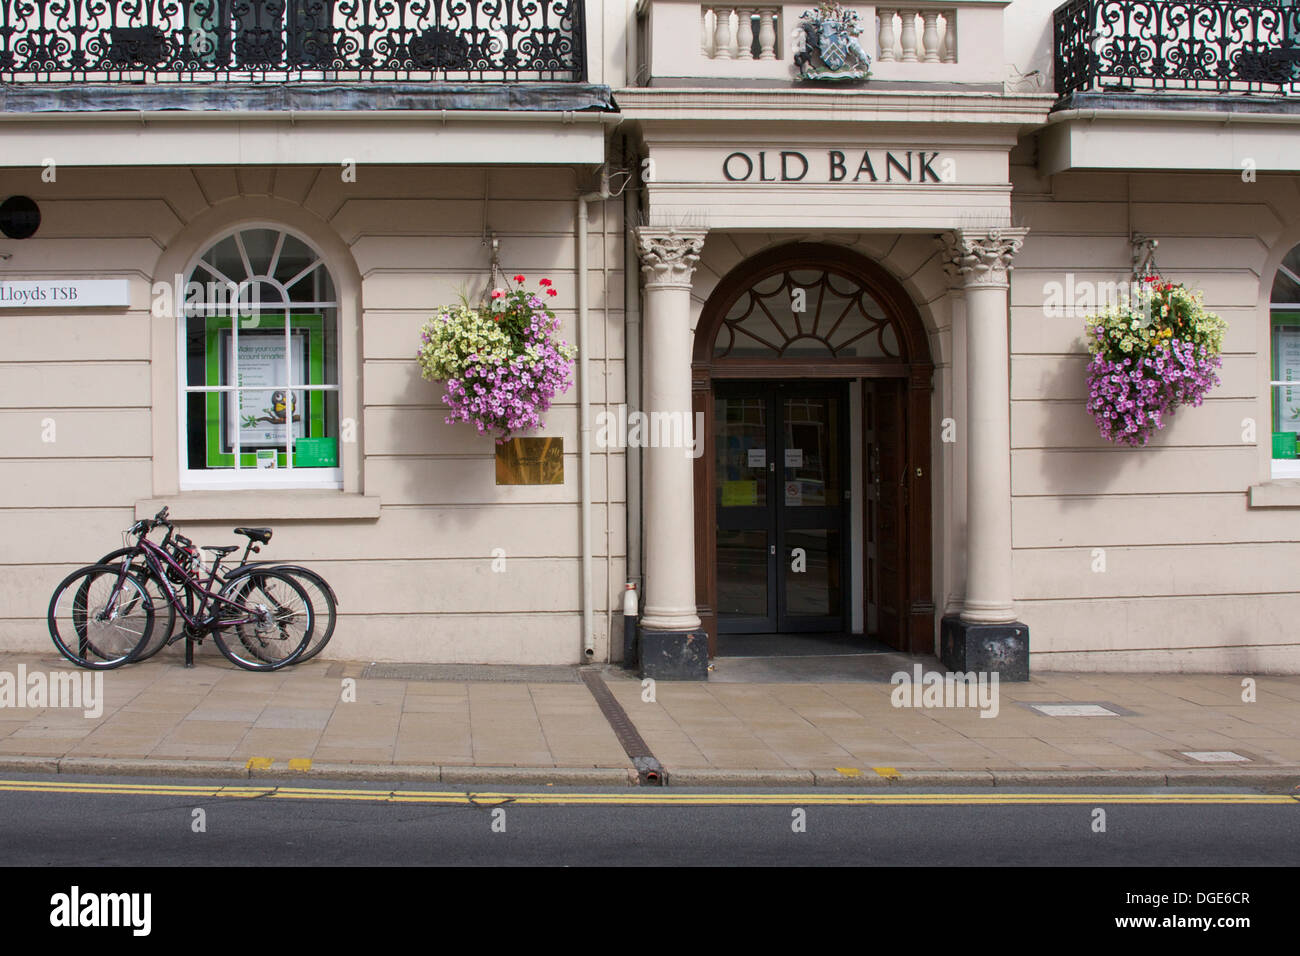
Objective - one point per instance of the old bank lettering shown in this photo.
(853, 166)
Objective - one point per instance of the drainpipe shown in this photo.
(632, 361)
(584, 422)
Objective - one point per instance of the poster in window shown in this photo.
(262, 417)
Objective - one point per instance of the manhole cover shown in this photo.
(1075, 710)
(509, 673)
(1215, 756)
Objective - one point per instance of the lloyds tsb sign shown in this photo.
(836, 166)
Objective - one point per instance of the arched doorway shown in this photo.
(813, 374)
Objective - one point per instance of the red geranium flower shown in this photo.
(544, 282)
(551, 292)
(519, 278)
(497, 294)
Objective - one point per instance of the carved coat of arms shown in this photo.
(826, 45)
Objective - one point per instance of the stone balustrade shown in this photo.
(916, 34)
(740, 33)
(907, 41)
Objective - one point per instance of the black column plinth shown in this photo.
(1001, 649)
(673, 655)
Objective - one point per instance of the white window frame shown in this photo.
(239, 477)
(1280, 467)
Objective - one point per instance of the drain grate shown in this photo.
(509, 673)
(648, 769)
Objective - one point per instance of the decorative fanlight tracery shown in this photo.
(807, 313)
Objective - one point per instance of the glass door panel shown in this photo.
(742, 503)
(812, 513)
(779, 500)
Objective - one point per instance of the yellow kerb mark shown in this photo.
(848, 771)
(300, 763)
(259, 763)
(889, 773)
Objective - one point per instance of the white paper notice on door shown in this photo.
(794, 458)
(757, 458)
(793, 493)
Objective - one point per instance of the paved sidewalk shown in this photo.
(216, 720)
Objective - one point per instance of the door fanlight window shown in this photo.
(806, 313)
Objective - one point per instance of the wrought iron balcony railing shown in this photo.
(1213, 46)
(280, 40)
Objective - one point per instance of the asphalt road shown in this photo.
(63, 821)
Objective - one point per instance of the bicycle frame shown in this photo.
(160, 562)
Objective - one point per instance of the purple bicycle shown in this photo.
(101, 615)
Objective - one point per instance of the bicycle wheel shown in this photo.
(319, 593)
(99, 616)
(165, 613)
(282, 625)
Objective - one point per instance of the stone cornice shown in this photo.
(659, 104)
(668, 256)
(981, 257)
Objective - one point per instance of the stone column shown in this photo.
(672, 645)
(986, 635)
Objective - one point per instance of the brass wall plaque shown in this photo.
(531, 461)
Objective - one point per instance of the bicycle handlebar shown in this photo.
(145, 525)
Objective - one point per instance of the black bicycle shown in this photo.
(102, 616)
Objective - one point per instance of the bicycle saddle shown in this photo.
(220, 549)
(261, 535)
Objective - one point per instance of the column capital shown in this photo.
(981, 257)
(668, 256)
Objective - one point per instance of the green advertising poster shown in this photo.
(263, 419)
(1286, 368)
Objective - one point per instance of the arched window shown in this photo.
(259, 344)
(806, 312)
(810, 310)
(1285, 384)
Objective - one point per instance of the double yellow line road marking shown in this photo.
(647, 797)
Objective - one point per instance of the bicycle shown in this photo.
(321, 596)
(268, 611)
(110, 615)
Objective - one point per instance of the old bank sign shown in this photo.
(915, 166)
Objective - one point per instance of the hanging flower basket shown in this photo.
(1150, 355)
(502, 364)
